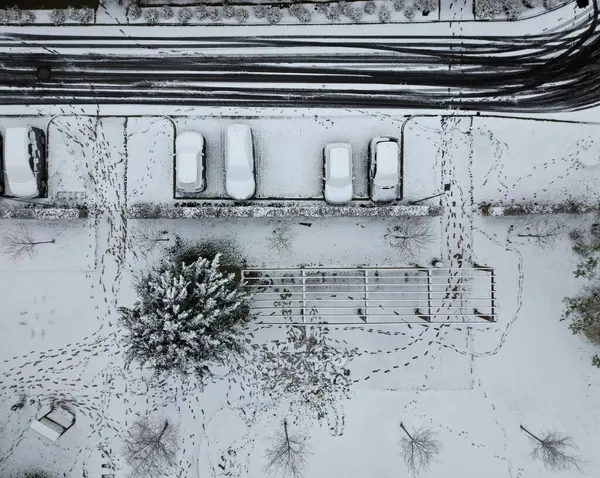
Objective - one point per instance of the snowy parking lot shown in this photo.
(288, 153)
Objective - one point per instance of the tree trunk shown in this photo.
(35, 243)
(406, 431)
(529, 433)
(162, 431)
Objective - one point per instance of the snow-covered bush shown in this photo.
(14, 14)
(274, 15)
(308, 370)
(134, 11)
(166, 11)
(398, 5)
(428, 5)
(333, 12)
(58, 16)
(260, 11)
(410, 11)
(241, 15)
(513, 8)
(151, 16)
(384, 14)
(344, 7)
(370, 8)
(3, 16)
(80, 15)
(201, 12)
(304, 15)
(185, 14)
(321, 8)
(532, 3)
(355, 14)
(28, 17)
(214, 14)
(188, 316)
(228, 11)
(488, 8)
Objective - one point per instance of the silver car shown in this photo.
(384, 169)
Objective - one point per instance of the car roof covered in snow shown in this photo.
(387, 159)
(339, 166)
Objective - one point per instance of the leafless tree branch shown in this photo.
(412, 235)
(288, 455)
(19, 242)
(151, 448)
(542, 233)
(281, 239)
(555, 450)
(419, 448)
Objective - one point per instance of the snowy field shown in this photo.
(472, 383)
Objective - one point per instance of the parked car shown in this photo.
(384, 169)
(337, 173)
(24, 162)
(190, 170)
(239, 162)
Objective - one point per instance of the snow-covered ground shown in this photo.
(473, 384)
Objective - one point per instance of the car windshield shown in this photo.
(339, 167)
(187, 167)
(387, 165)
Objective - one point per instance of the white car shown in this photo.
(337, 173)
(239, 162)
(190, 172)
(384, 169)
(24, 162)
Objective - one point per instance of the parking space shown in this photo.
(288, 152)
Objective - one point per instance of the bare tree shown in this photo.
(542, 233)
(419, 448)
(19, 242)
(554, 449)
(412, 235)
(146, 239)
(281, 239)
(287, 457)
(151, 448)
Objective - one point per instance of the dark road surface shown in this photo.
(555, 71)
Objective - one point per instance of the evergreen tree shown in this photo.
(188, 315)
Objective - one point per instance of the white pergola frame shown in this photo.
(372, 295)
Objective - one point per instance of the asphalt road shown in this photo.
(554, 71)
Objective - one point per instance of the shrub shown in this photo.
(398, 5)
(584, 312)
(260, 11)
(274, 15)
(532, 3)
(187, 317)
(201, 12)
(384, 14)
(321, 8)
(333, 12)
(3, 16)
(513, 8)
(228, 11)
(151, 16)
(355, 14)
(241, 15)
(344, 7)
(58, 16)
(28, 17)
(184, 15)
(134, 12)
(214, 15)
(370, 8)
(304, 15)
(166, 11)
(488, 8)
(293, 9)
(14, 14)
(410, 11)
(428, 5)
